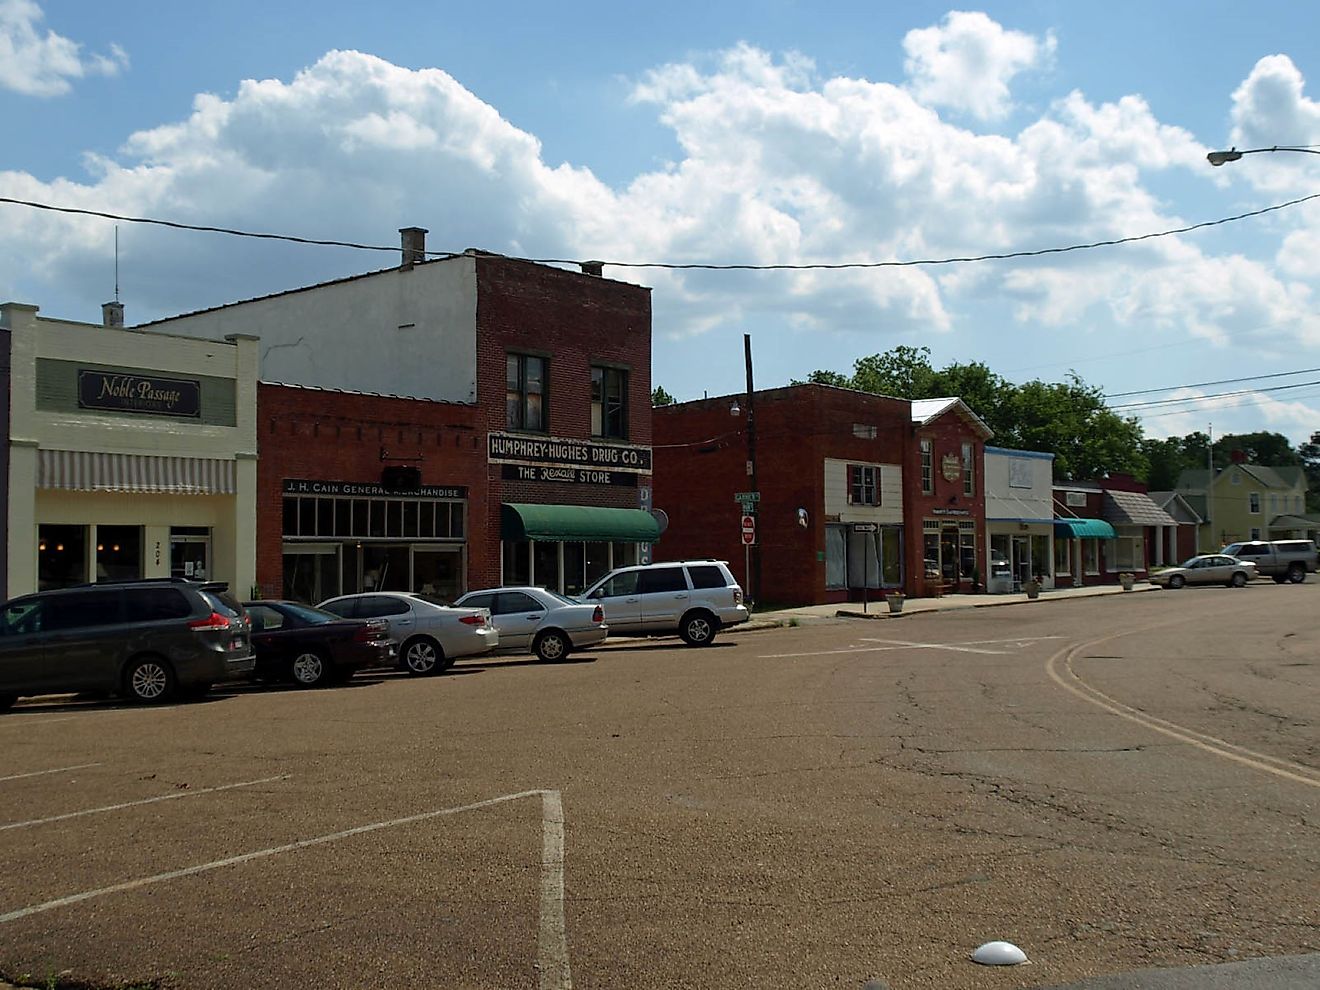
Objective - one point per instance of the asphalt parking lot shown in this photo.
(1111, 784)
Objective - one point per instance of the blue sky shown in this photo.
(714, 132)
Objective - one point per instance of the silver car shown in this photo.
(693, 598)
(547, 624)
(428, 634)
(1208, 568)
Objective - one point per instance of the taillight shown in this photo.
(598, 615)
(473, 620)
(737, 596)
(214, 621)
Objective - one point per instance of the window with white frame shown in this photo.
(527, 392)
(1253, 502)
(1130, 553)
(969, 467)
(1020, 474)
(927, 467)
(863, 484)
(1255, 532)
(1091, 556)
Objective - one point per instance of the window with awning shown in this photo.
(1083, 529)
(550, 523)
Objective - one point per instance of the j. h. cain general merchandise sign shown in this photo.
(555, 452)
(119, 392)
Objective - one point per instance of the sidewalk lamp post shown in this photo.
(1218, 158)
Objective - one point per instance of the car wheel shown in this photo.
(309, 669)
(551, 646)
(1177, 581)
(1238, 580)
(698, 629)
(149, 680)
(7, 701)
(422, 655)
(1296, 573)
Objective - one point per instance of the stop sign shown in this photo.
(749, 530)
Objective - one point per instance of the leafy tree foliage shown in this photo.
(659, 397)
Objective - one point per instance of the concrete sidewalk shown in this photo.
(879, 609)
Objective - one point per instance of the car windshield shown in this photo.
(311, 616)
(1190, 561)
(434, 600)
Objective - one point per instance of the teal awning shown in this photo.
(1083, 529)
(526, 521)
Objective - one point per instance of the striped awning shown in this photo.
(89, 471)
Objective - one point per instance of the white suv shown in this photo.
(694, 598)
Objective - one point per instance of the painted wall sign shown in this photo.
(950, 512)
(367, 489)
(951, 467)
(139, 393)
(571, 475)
(506, 448)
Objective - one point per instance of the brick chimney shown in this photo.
(596, 268)
(413, 241)
(112, 314)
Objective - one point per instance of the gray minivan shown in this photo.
(145, 640)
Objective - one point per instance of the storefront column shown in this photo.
(244, 568)
(156, 551)
(22, 536)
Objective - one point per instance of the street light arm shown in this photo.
(1218, 158)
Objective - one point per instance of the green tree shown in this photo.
(904, 373)
(1267, 449)
(659, 397)
(1070, 420)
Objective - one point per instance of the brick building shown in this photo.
(1107, 528)
(511, 408)
(842, 481)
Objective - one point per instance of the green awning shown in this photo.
(1083, 529)
(525, 521)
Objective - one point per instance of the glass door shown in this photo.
(190, 552)
(311, 572)
(438, 572)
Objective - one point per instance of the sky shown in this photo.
(770, 133)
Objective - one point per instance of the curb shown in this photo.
(1045, 597)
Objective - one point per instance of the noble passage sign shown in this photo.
(119, 392)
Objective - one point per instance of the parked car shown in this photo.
(146, 640)
(1283, 560)
(693, 598)
(540, 621)
(311, 647)
(428, 634)
(1208, 568)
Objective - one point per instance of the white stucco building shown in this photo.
(1019, 518)
(131, 454)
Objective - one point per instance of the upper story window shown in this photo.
(969, 466)
(527, 392)
(863, 484)
(609, 403)
(927, 467)
(1253, 502)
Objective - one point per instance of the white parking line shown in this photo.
(552, 954)
(174, 796)
(39, 773)
(900, 644)
(553, 942)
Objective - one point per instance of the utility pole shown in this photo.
(1210, 485)
(754, 578)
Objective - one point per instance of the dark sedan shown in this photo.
(311, 647)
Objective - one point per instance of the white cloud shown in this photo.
(1270, 108)
(967, 62)
(43, 65)
(778, 165)
(1249, 412)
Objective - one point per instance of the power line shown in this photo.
(821, 266)
(1222, 381)
(1207, 398)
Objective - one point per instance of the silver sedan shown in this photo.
(541, 621)
(1208, 568)
(428, 633)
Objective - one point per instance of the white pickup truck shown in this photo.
(1283, 560)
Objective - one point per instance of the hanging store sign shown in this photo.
(506, 448)
(570, 475)
(366, 489)
(118, 392)
(951, 467)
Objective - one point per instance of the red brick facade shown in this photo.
(700, 463)
(573, 320)
(947, 503)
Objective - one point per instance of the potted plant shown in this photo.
(895, 600)
(1126, 579)
(1032, 588)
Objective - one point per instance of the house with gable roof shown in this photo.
(1248, 502)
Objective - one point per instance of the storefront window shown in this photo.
(545, 565)
(597, 562)
(1062, 559)
(118, 553)
(891, 556)
(1091, 556)
(311, 573)
(438, 573)
(931, 552)
(836, 557)
(190, 552)
(1001, 565)
(517, 563)
(575, 563)
(967, 553)
(61, 556)
(863, 560)
(1040, 556)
